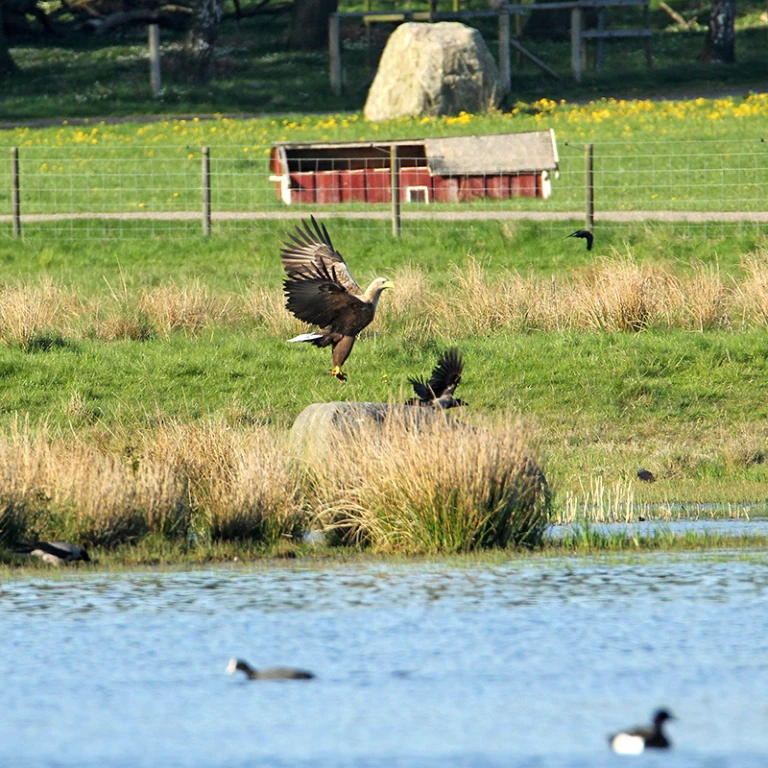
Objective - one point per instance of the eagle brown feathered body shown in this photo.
(320, 290)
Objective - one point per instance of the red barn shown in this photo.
(444, 170)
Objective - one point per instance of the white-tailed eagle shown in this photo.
(319, 290)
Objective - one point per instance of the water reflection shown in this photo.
(516, 664)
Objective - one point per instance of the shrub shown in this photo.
(429, 485)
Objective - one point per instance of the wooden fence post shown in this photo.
(504, 62)
(577, 22)
(154, 59)
(395, 190)
(334, 50)
(206, 191)
(15, 192)
(589, 176)
(600, 54)
(649, 39)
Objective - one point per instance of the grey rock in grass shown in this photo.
(319, 424)
(434, 69)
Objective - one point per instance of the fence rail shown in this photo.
(51, 192)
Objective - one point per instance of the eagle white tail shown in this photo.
(306, 337)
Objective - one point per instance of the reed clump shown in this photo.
(178, 481)
(430, 486)
(33, 316)
(54, 487)
(239, 481)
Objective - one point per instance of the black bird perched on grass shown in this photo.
(586, 234)
(319, 290)
(646, 475)
(446, 376)
(635, 740)
(54, 552)
(268, 673)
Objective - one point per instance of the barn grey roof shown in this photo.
(493, 153)
(458, 155)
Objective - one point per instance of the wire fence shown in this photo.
(174, 191)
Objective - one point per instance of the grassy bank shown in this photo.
(387, 487)
(149, 407)
(158, 553)
(146, 389)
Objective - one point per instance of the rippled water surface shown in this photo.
(529, 663)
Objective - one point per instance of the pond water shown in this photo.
(527, 663)
(713, 527)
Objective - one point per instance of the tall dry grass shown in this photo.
(171, 307)
(614, 294)
(752, 292)
(240, 483)
(70, 488)
(267, 308)
(160, 311)
(438, 487)
(36, 314)
(179, 479)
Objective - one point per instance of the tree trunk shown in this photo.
(202, 38)
(7, 64)
(719, 45)
(309, 24)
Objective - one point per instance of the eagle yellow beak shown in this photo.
(388, 284)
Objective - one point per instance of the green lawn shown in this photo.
(702, 155)
(690, 405)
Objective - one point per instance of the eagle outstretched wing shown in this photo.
(310, 247)
(316, 295)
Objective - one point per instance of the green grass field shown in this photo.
(131, 341)
(100, 340)
(703, 155)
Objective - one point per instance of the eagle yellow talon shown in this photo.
(338, 373)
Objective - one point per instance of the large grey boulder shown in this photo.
(317, 428)
(320, 424)
(434, 69)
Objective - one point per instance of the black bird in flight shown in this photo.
(586, 234)
(446, 376)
